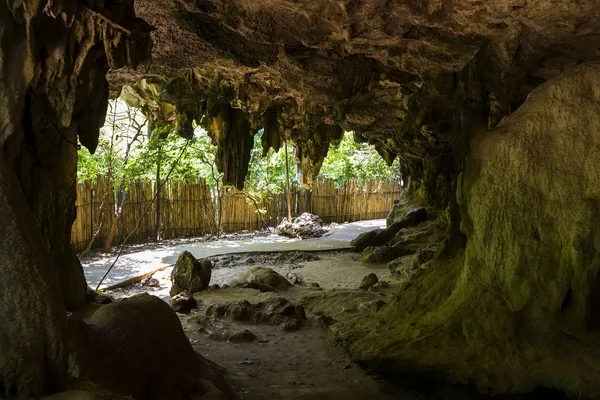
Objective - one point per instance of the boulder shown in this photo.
(190, 275)
(183, 304)
(305, 226)
(369, 281)
(403, 209)
(137, 347)
(397, 212)
(276, 311)
(379, 237)
(259, 276)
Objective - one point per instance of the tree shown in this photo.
(352, 160)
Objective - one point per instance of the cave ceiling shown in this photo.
(404, 75)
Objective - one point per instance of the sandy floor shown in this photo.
(308, 363)
(331, 270)
(145, 258)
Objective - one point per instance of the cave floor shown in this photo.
(140, 259)
(307, 363)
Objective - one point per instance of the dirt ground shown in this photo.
(307, 363)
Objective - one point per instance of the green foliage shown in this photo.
(360, 161)
(126, 153)
(266, 175)
(120, 139)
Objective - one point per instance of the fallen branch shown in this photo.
(135, 279)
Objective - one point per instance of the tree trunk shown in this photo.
(287, 183)
(115, 222)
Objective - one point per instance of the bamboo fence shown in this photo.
(192, 209)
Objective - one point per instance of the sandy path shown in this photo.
(140, 262)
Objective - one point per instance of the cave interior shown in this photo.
(492, 108)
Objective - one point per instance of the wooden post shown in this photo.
(287, 181)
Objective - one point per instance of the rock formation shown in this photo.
(491, 107)
(54, 57)
(190, 275)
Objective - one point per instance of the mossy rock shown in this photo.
(190, 275)
(369, 281)
(379, 237)
(408, 266)
(383, 254)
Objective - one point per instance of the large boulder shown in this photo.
(260, 276)
(383, 254)
(305, 226)
(190, 275)
(137, 347)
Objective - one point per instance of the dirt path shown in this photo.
(143, 259)
(307, 364)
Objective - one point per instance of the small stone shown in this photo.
(150, 282)
(369, 281)
(291, 326)
(244, 336)
(183, 304)
(215, 287)
(250, 260)
(315, 285)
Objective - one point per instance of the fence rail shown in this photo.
(188, 210)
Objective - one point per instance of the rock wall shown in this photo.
(518, 309)
(53, 91)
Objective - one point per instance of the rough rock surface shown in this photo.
(190, 275)
(412, 217)
(379, 237)
(519, 308)
(183, 304)
(305, 226)
(275, 311)
(402, 75)
(257, 277)
(136, 347)
(406, 267)
(369, 281)
(54, 57)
